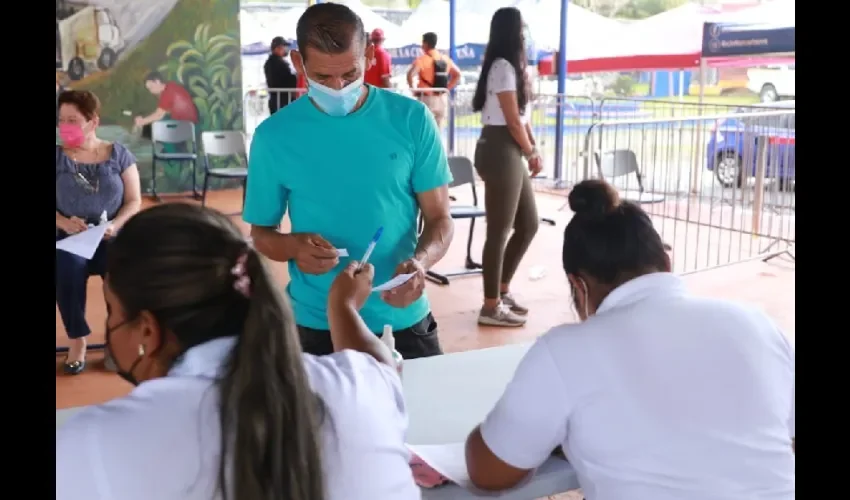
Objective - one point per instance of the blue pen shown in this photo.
(370, 248)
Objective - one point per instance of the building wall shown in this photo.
(112, 47)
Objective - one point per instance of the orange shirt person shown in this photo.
(437, 71)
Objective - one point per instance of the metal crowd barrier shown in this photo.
(675, 158)
(616, 108)
(738, 205)
(257, 103)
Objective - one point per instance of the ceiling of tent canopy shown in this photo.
(433, 15)
(585, 29)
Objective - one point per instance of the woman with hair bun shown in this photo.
(657, 393)
(226, 406)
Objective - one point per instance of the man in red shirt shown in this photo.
(175, 102)
(380, 71)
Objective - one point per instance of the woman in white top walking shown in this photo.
(658, 394)
(506, 143)
(226, 406)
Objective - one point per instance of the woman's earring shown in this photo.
(141, 350)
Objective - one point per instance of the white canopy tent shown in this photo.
(433, 16)
(370, 19)
(585, 29)
(676, 31)
(779, 12)
(483, 8)
(263, 26)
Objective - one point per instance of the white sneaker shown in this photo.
(500, 316)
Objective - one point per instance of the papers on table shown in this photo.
(393, 283)
(342, 252)
(84, 243)
(447, 459)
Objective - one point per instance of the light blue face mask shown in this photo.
(335, 102)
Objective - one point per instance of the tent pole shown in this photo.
(453, 55)
(561, 99)
(696, 171)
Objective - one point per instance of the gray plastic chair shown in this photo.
(180, 134)
(620, 163)
(229, 143)
(463, 173)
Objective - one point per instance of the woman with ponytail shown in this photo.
(226, 406)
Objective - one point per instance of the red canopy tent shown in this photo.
(670, 40)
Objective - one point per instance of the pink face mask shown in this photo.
(72, 135)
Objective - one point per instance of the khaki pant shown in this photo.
(438, 104)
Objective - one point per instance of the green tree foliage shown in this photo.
(204, 66)
(641, 9)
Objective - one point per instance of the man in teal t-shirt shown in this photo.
(344, 161)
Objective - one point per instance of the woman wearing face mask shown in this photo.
(197, 322)
(93, 177)
(657, 393)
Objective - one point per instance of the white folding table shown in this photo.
(447, 396)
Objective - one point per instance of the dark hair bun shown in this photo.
(593, 197)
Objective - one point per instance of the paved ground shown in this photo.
(770, 285)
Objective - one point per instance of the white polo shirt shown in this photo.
(162, 440)
(661, 395)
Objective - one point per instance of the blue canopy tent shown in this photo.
(469, 55)
(768, 28)
(726, 39)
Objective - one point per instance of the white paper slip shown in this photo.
(85, 243)
(342, 252)
(393, 283)
(447, 459)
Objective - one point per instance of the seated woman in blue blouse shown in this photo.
(93, 176)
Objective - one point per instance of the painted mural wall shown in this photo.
(149, 60)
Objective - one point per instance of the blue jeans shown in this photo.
(72, 276)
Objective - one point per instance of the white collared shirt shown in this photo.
(661, 395)
(162, 440)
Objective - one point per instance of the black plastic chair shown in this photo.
(463, 173)
(224, 144)
(178, 134)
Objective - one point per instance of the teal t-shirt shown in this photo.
(343, 178)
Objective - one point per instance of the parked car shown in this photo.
(732, 146)
(773, 82)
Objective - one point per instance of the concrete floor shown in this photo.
(540, 283)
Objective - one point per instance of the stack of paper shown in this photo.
(85, 243)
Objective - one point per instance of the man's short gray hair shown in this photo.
(330, 28)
